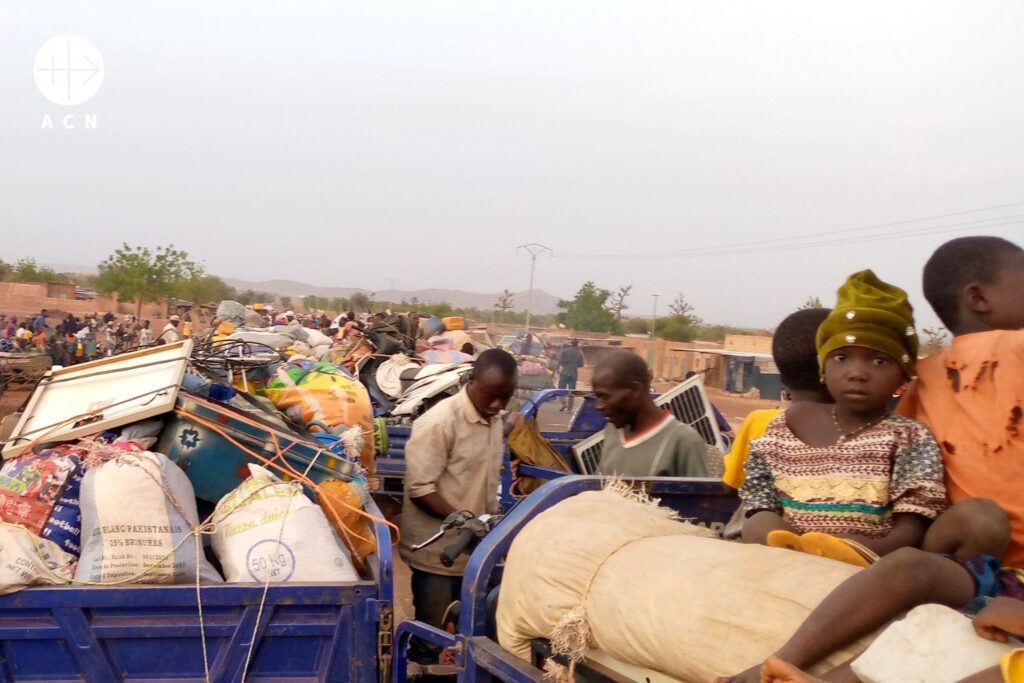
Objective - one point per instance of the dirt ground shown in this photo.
(11, 400)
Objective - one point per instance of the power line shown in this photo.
(726, 248)
(762, 247)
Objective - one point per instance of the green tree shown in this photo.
(250, 296)
(637, 326)
(5, 270)
(286, 302)
(674, 329)
(27, 270)
(136, 273)
(340, 304)
(588, 311)
(682, 325)
(812, 302)
(443, 310)
(312, 303)
(200, 287)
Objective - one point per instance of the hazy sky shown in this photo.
(342, 143)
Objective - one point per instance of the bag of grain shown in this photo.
(138, 516)
(606, 570)
(27, 560)
(267, 530)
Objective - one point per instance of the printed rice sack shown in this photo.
(138, 513)
(27, 560)
(609, 571)
(39, 491)
(267, 530)
(354, 529)
(325, 397)
(932, 644)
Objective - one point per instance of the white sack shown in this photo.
(317, 338)
(252, 546)
(138, 511)
(27, 560)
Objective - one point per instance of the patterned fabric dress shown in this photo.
(854, 486)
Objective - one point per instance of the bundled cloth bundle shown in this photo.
(324, 397)
(614, 571)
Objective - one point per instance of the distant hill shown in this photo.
(543, 302)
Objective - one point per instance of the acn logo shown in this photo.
(68, 70)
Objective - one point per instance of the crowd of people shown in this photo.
(71, 340)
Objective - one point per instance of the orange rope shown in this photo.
(286, 468)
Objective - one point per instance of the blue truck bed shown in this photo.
(308, 632)
(480, 659)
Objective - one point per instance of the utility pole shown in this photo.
(534, 250)
(654, 318)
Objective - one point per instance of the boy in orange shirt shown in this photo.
(971, 393)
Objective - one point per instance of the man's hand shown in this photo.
(511, 420)
(1000, 619)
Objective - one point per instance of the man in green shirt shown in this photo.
(641, 439)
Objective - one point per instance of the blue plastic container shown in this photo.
(216, 466)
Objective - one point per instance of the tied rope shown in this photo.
(571, 634)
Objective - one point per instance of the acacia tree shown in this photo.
(617, 305)
(504, 303)
(682, 324)
(136, 273)
(682, 310)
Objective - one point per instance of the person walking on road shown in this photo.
(570, 360)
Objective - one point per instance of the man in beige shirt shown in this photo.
(452, 463)
(170, 333)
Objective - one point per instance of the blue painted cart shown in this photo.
(301, 632)
(479, 658)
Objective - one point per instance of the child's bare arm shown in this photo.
(1001, 618)
(908, 531)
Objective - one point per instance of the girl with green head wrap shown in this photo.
(850, 481)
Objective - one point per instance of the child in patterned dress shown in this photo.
(851, 481)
